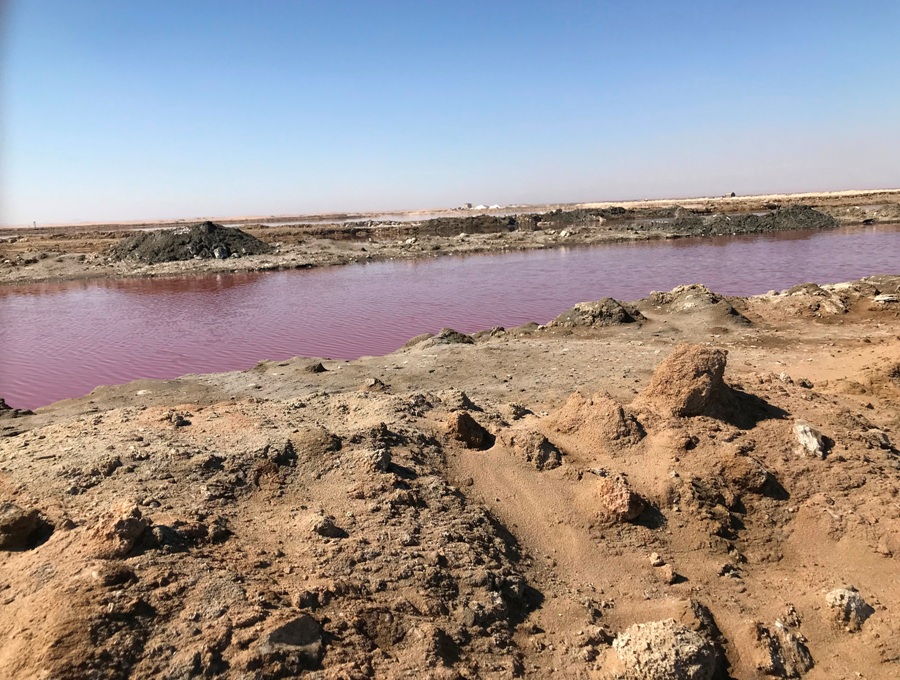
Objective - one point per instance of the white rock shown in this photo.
(811, 441)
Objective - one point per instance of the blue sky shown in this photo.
(137, 110)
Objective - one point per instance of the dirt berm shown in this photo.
(204, 240)
(781, 219)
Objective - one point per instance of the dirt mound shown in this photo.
(533, 447)
(786, 218)
(604, 312)
(600, 420)
(693, 299)
(689, 382)
(205, 240)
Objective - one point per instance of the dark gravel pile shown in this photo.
(205, 240)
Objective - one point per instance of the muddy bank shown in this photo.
(42, 255)
(689, 485)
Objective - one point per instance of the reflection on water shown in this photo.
(63, 339)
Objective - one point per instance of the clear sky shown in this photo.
(117, 110)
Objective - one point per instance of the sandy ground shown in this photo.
(66, 252)
(508, 505)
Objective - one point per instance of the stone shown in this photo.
(535, 448)
(811, 441)
(618, 502)
(465, 429)
(656, 560)
(379, 459)
(324, 526)
(852, 609)
(117, 534)
(17, 526)
(781, 652)
(667, 574)
(664, 650)
(689, 382)
(291, 647)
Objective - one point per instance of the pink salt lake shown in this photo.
(61, 340)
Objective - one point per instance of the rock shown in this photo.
(667, 574)
(465, 429)
(852, 609)
(689, 382)
(281, 453)
(656, 560)
(517, 411)
(379, 459)
(17, 526)
(598, 420)
(324, 526)
(457, 400)
(291, 647)
(117, 534)
(604, 312)
(746, 473)
(7, 411)
(314, 441)
(811, 441)
(781, 652)
(664, 650)
(315, 367)
(877, 439)
(374, 385)
(448, 336)
(535, 448)
(618, 502)
(805, 384)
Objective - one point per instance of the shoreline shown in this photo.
(74, 254)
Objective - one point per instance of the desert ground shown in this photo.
(683, 487)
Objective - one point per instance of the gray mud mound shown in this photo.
(793, 217)
(604, 312)
(693, 299)
(205, 240)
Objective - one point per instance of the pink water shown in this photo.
(61, 340)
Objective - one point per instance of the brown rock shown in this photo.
(618, 502)
(118, 533)
(17, 526)
(665, 650)
(689, 382)
(535, 448)
(465, 429)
